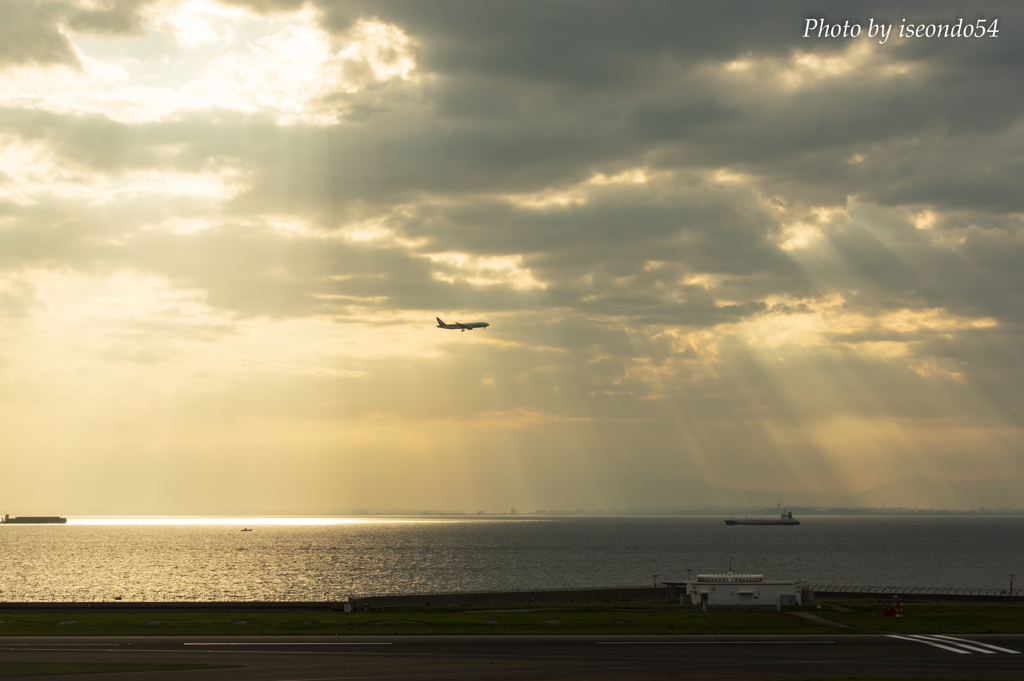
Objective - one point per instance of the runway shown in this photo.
(537, 658)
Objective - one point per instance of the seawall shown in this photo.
(665, 595)
(446, 600)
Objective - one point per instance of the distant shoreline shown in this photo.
(601, 513)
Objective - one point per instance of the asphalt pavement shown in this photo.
(536, 658)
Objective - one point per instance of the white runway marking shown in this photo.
(929, 643)
(979, 643)
(959, 645)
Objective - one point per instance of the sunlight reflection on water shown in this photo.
(188, 520)
(300, 559)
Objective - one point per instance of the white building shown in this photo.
(736, 589)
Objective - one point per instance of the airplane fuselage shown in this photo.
(468, 326)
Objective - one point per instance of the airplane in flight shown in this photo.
(457, 325)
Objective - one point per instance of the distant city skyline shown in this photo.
(716, 257)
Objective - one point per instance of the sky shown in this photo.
(715, 251)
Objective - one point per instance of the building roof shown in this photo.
(730, 577)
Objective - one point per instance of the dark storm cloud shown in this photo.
(509, 112)
(579, 44)
(592, 83)
(582, 86)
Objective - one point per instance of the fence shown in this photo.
(168, 606)
(923, 593)
(449, 600)
(437, 600)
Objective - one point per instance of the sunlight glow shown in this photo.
(816, 323)
(810, 64)
(925, 219)
(631, 176)
(724, 176)
(934, 319)
(704, 280)
(244, 522)
(583, 192)
(34, 171)
(194, 22)
(384, 48)
(366, 231)
(485, 271)
(809, 228)
(802, 71)
(822, 318)
(290, 72)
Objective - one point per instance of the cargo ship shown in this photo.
(785, 519)
(34, 520)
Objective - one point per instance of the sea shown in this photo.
(308, 559)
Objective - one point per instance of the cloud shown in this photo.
(294, 72)
(30, 33)
(697, 235)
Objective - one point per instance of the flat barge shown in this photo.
(34, 520)
(785, 519)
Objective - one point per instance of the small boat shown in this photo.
(246, 529)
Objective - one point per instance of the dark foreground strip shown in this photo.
(646, 668)
(274, 643)
(50, 668)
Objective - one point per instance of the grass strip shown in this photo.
(576, 618)
(932, 617)
(430, 622)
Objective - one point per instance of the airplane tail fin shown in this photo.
(439, 322)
